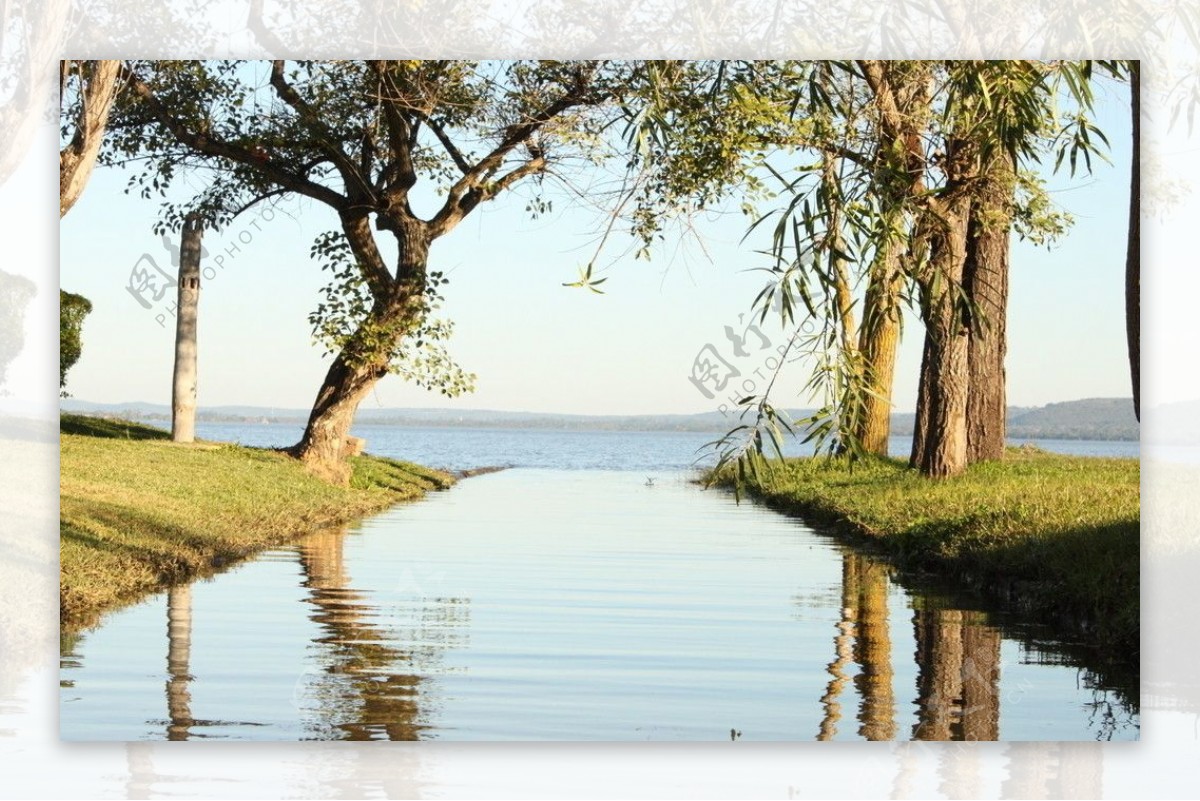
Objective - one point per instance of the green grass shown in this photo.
(1056, 537)
(139, 512)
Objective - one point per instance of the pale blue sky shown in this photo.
(538, 346)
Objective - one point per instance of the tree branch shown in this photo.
(469, 190)
(351, 177)
(256, 200)
(488, 191)
(212, 146)
(440, 133)
(357, 227)
(399, 136)
(98, 86)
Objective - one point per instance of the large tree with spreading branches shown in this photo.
(371, 141)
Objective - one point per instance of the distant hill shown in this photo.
(1093, 418)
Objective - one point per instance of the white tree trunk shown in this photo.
(183, 391)
(97, 90)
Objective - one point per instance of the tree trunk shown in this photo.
(365, 359)
(940, 445)
(1133, 256)
(878, 340)
(183, 387)
(920, 443)
(325, 444)
(97, 90)
(985, 281)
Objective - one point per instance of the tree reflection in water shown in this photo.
(371, 661)
(873, 652)
(958, 687)
(957, 656)
(179, 651)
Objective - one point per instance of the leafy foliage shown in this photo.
(890, 147)
(72, 309)
(414, 350)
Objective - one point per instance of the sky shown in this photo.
(536, 345)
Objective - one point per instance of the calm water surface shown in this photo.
(460, 448)
(572, 604)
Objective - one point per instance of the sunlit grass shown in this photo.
(1056, 536)
(139, 512)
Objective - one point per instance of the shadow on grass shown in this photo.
(144, 553)
(108, 428)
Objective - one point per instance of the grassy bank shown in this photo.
(139, 512)
(1053, 536)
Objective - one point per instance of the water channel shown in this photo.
(552, 604)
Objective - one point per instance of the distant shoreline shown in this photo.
(1103, 419)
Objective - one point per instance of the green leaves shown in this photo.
(1035, 216)
(72, 309)
(742, 450)
(586, 281)
(349, 322)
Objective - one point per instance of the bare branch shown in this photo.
(256, 200)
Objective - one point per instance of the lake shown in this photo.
(593, 592)
(461, 448)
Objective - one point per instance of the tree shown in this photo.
(72, 309)
(88, 88)
(842, 224)
(938, 184)
(991, 118)
(362, 138)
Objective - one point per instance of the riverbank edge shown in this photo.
(921, 544)
(139, 513)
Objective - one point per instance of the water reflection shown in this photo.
(372, 660)
(958, 685)
(862, 639)
(957, 657)
(179, 651)
(873, 649)
(678, 621)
